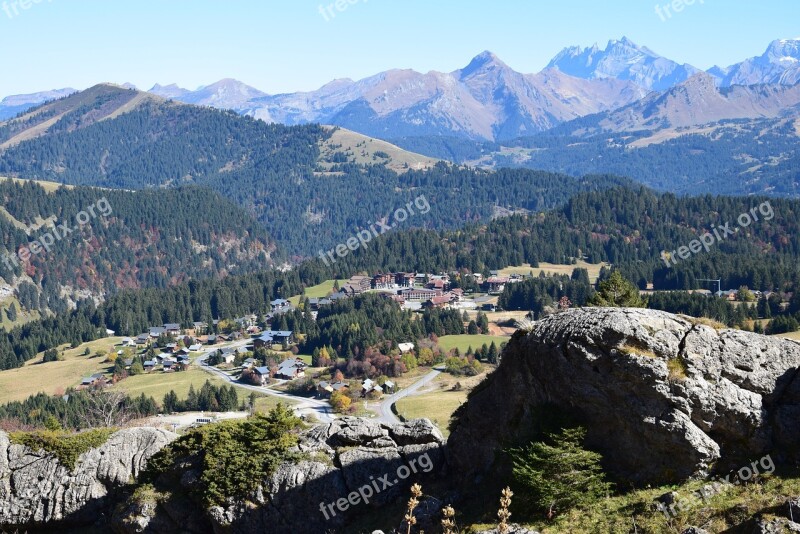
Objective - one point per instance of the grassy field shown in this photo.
(47, 186)
(364, 150)
(463, 342)
(551, 268)
(22, 317)
(264, 403)
(54, 377)
(791, 335)
(438, 407)
(158, 384)
(318, 291)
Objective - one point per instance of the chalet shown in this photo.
(228, 358)
(156, 331)
(496, 284)
(279, 304)
(326, 389)
(389, 387)
(249, 362)
(196, 347)
(291, 369)
(368, 386)
(438, 283)
(270, 337)
(262, 373)
(128, 342)
(212, 340)
(168, 363)
(127, 363)
(170, 347)
(199, 327)
(183, 350)
(246, 322)
(172, 329)
(96, 380)
(142, 339)
(182, 359)
(149, 365)
(419, 294)
(437, 302)
(405, 347)
(350, 290)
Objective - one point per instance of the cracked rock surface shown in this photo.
(663, 397)
(36, 489)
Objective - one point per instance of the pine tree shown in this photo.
(559, 474)
(617, 292)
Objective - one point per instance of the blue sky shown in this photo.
(288, 45)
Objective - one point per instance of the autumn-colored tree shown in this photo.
(340, 402)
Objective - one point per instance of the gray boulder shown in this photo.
(663, 397)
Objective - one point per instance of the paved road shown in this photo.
(319, 409)
(386, 414)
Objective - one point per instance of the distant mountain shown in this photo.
(780, 64)
(622, 60)
(225, 94)
(486, 100)
(11, 106)
(696, 102)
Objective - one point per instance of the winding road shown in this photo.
(319, 408)
(386, 414)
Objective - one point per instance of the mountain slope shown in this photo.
(129, 240)
(11, 106)
(698, 102)
(779, 64)
(623, 60)
(312, 187)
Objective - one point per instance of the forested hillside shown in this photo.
(626, 227)
(272, 171)
(736, 157)
(135, 239)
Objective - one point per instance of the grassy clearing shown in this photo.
(790, 335)
(50, 187)
(317, 291)
(438, 407)
(464, 341)
(22, 316)
(365, 150)
(158, 384)
(55, 377)
(551, 268)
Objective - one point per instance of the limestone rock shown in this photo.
(36, 489)
(663, 397)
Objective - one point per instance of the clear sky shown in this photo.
(289, 45)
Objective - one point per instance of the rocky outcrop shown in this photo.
(663, 397)
(343, 469)
(35, 489)
(347, 462)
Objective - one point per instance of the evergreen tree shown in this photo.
(617, 292)
(558, 474)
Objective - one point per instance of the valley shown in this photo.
(403, 268)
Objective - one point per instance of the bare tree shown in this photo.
(106, 408)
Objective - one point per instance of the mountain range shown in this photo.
(484, 101)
